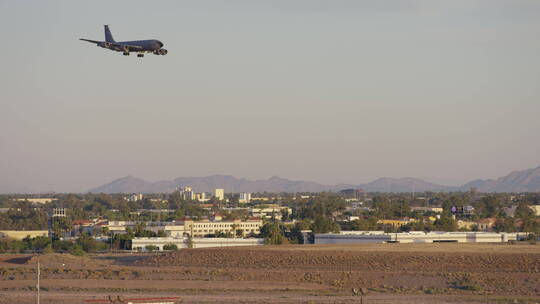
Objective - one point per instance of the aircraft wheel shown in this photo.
(140, 55)
(126, 53)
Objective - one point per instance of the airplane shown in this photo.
(139, 46)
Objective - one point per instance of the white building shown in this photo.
(271, 211)
(202, 197)
(134, 197)
(428, 209)
(39, 200)
(141, 243)
(244, 197)
(188, 227)
(187, 193)
(59, 212)
(359, 237)
(535, 209)
(219, 194)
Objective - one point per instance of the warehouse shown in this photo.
(416, 237)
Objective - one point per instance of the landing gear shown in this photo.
(140, 55)
(126, 53)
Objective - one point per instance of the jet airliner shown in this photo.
(139, 46)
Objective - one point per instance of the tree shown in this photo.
(446, 223)
(523, 211)
(296, 236)
(324, 225)
(362, 224)
(505, 224)
(61, 225)
(325, 205)
(489, 206)
(273, 233)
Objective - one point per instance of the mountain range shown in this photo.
(517, 181)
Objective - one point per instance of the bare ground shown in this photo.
(387, 273)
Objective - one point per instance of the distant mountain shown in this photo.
(517, 181)
(127, 184)
(130, 184)
(406, 184)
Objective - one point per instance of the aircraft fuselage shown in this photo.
(128, 46)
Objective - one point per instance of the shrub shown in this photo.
(89, 244)
(77, 250)
(151, 248)
(170, 247)
(48, 249)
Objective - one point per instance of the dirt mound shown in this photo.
(367, 261)
(17, 260)
(62, 260)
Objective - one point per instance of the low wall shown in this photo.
(139, 244)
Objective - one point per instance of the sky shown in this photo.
(332, 91)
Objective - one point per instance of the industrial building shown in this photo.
(359, 237)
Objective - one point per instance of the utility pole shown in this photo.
(37, 285)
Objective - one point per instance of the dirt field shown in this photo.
(385, 273)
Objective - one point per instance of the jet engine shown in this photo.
(160, 52)
(107, 44)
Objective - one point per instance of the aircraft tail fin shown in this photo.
(108, 35)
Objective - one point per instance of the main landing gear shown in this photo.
(126, 53)
(140, 55)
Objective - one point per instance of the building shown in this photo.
(244, 197)
(510, 210)
(234, 227)
(356, 205)
(260, 199)
(359, 237)
(428, 209)
(38, 200)
(219, 194)
(189, 227)
(201, 197)
(486, 224)
(396, 223)
(466, 224)
(134, 197)
(21, 234)
(535, 209)
(187, 193)
(59, 212)
(271, 211)
(142, 243)
(5, 210)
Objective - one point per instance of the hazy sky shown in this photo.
(324, 90)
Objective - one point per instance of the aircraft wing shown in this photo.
(121, 46)
(92, 41)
